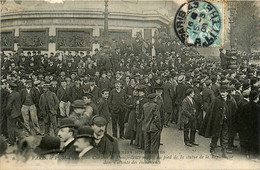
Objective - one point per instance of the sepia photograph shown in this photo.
(130, 84)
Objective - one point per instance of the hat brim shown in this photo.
(43, 152)
(85, 136)
(69, 126)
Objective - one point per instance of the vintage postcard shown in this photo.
(130, 84)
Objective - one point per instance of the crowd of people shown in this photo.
(76, 94)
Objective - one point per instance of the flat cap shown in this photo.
(99, 120)
(78, 104)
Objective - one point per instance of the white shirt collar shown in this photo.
(190, 99)
(246, 99)
(84, 151)
(68, 141)
(98, 138)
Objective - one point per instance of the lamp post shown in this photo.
(105, 42)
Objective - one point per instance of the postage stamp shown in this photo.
(200, 23)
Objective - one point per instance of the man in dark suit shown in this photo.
(49, 104)
(13, 108)
(208, 96)
(107, 145)
(180, 95)
(84, 145)
(188, 118)
(66, 132)
(152, 129)
(215, 123)
(75, 91)
(102, 104)
(116, 102)
(241, 118)
(168, 96)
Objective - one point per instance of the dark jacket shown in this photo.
(108, 147)
(35, 96)
(251, 122)
(68, 152)
(187, 110)
(180, 93)
(152, 117)
(49, 102)
(63, 94)
(95, 108)
(208, 97)
(92, 154)
(13, 106)
(75, 93)
(214, 119)
(241, 116)
(168, 95)
(232, 117)
(103, 108)
(103, 84)
(117, 101)
(95, 92)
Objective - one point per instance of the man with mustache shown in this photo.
(66, 135)
(106, 144)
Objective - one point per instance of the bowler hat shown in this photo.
(237, 85)
(67, 122)
(85, 132)
(99, 120)
(245, 86)
(78, 104)
(253, 81)
(48, 145)
(253, 95)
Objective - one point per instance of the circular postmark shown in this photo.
(198, 23)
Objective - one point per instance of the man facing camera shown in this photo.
(106, 144)
(188, 118)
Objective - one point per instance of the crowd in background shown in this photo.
(139, 94)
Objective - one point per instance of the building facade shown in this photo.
(76, 25)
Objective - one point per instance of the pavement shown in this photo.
(175, 155)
